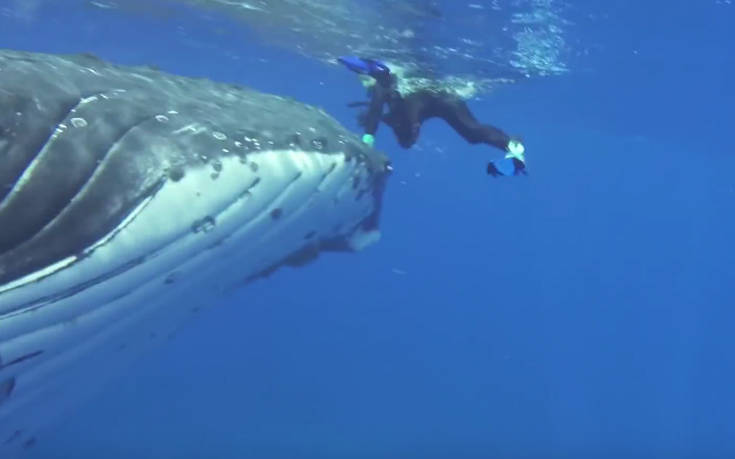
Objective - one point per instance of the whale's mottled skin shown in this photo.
(126, 194)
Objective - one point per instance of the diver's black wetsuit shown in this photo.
(406, 114)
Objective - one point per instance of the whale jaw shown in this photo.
(67, 328)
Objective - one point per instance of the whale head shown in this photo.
(126, 194)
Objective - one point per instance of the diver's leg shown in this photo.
(456, 113)
(407, 116)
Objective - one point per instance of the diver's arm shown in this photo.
(375, 110)
(380, 92)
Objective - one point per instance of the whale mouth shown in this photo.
(341, 197)
(127, 207)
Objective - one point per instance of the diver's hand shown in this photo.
(368, 139)
(514, 162)
(516, 150)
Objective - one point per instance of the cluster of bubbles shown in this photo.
(466, 48)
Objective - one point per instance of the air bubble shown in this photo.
(79, 122)
(251, 143)
(219, 135)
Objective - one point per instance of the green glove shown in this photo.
(516, 150)
(368, 139)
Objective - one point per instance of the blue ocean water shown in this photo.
(583, 311)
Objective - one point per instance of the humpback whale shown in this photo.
(125, 192)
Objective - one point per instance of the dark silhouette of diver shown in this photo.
(407, 113)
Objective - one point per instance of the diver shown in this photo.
(407, 113)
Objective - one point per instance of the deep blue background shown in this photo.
(583, 311)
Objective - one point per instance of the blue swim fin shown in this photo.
(363, 66)
(507, 167)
